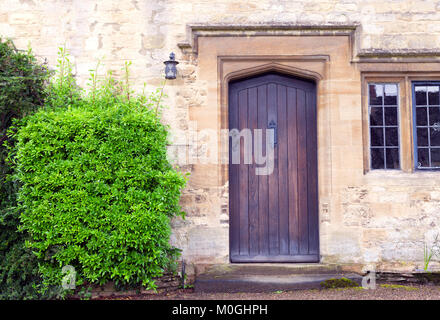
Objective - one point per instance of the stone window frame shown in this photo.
(406, 114)
(383, 126)
(414, 106)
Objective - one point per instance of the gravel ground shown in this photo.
(382, 292)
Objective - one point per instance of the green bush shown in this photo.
(97, 191)
(23, 82)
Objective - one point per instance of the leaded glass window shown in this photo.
(383, 110)
(426, 101)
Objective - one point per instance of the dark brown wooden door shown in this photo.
(274, 217)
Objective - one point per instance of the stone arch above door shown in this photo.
(309, 67)
(273, 66)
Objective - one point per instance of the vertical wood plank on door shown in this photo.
(273, 212)
(283, 178)
(253, 178)
(243, 174)
(262, 179)
(292, 172)
(302, 172)
(312, 173)
(233, 180)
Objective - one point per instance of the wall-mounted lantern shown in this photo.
(170, 67)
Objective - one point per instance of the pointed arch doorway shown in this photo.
(274, 217)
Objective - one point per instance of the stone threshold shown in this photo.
(270, 277)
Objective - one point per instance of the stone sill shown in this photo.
(419, 177)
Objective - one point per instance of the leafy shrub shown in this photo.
(97, 191)
(23, 82)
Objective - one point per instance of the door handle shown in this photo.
(273, 125)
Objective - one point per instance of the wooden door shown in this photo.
(274, 217)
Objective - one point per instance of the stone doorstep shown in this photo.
(270, 269)
(268, 277)
(264, 283)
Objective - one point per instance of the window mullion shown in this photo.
(427, 124)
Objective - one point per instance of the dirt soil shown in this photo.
(382, 292)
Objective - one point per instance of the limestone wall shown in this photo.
(145, 31)
(367, 218)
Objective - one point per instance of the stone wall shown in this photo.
(388, 222)
(146, 31)
(372, 218)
